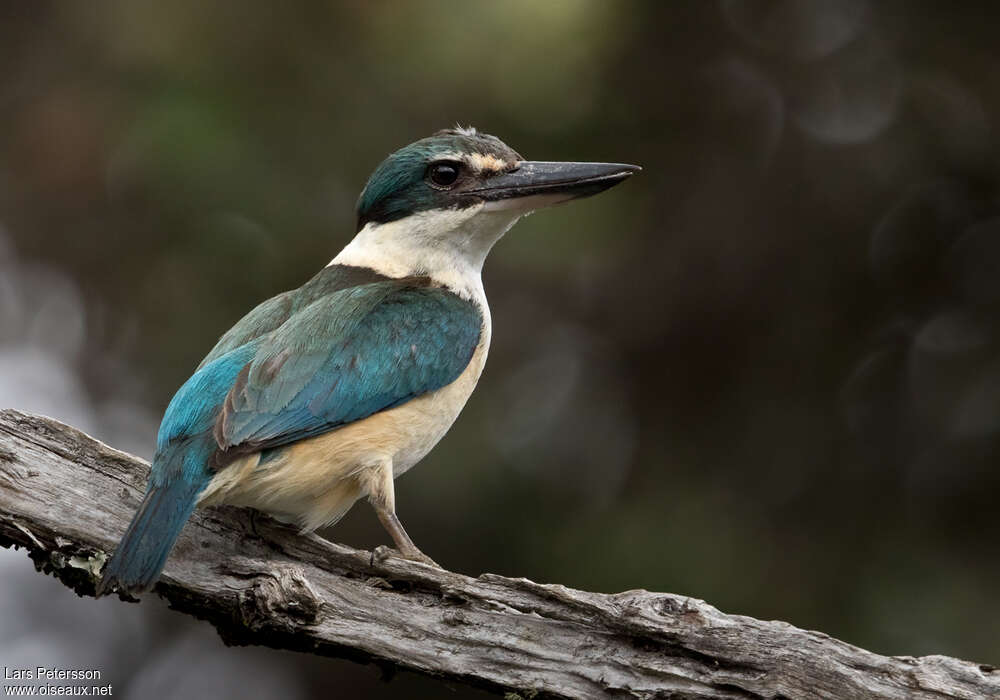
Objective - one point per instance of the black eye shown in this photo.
(443, 174)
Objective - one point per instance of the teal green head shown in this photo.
(461, 168)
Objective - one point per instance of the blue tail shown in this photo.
(180, 471)
(142, 552)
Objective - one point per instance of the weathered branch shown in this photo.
(67, 498)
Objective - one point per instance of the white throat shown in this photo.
(447, 245)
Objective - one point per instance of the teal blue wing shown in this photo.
(344, 357)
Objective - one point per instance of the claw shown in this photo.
(381, 553)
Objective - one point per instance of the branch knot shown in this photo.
(282, 599)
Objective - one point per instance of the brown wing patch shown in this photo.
(229, 406)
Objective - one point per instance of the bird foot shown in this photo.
(381, 553)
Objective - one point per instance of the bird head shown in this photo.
(449, 197)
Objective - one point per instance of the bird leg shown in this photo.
(382, 496)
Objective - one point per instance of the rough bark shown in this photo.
(67, 498)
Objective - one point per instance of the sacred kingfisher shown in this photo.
(324, 394)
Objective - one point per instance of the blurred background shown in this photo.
(765, 372)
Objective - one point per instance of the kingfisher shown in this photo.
(323, 395)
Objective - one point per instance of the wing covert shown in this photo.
(272, 313)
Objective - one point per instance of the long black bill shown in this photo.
(540, 183)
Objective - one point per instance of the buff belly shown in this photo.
(315, 482)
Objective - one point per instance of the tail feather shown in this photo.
(140, 556)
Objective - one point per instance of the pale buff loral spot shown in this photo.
(486, 162)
